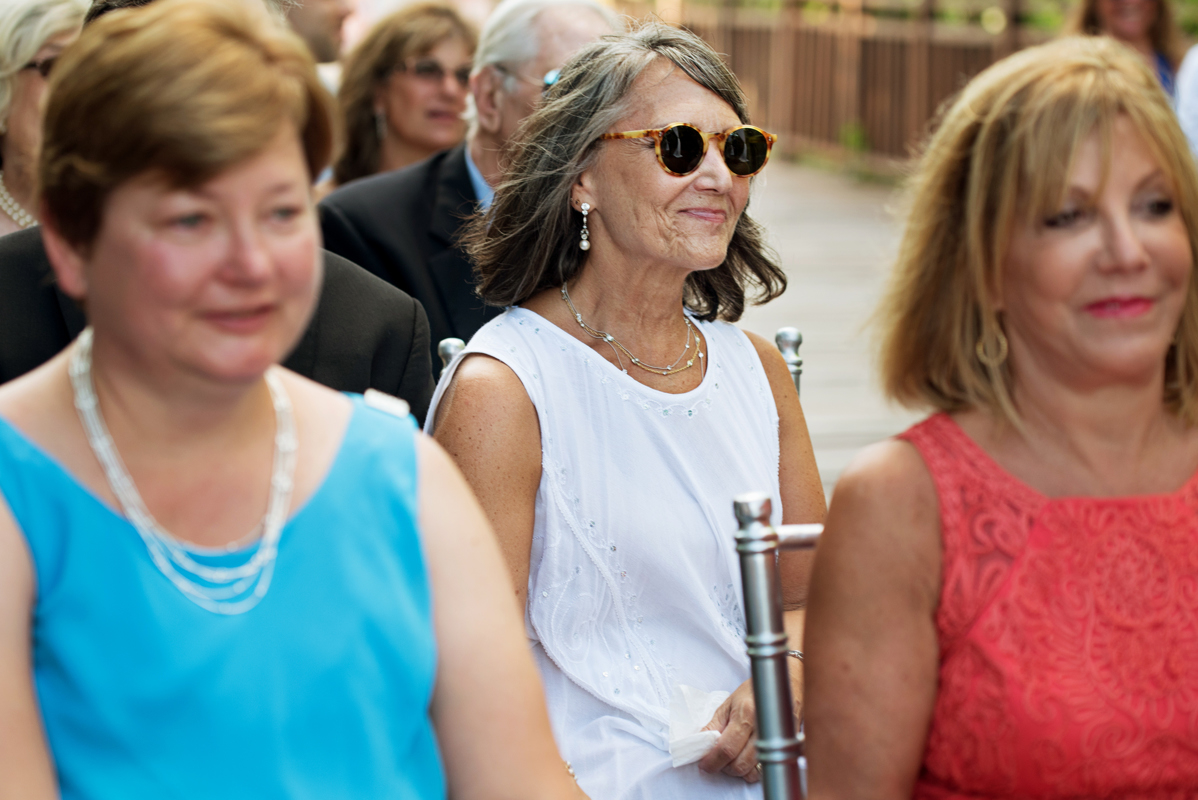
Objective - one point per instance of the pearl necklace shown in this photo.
(221, 590)
(595, 333)
(13, 209)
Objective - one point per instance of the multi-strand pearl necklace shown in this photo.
(595, 333)
(221, 590)
(12, 208)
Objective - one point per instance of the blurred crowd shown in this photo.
(346, 448)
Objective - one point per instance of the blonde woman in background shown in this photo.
(403, 91)
(1147, 26)
(32, 34)
(1003, 603)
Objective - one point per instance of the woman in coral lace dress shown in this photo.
(1005, 602)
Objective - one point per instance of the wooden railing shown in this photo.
(843, 77)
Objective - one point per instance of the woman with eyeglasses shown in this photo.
(32, 34)
(609, 416)
(403, 91)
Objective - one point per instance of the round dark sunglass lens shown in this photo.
(681, 149)
(745, 151)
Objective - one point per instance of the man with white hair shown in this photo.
(403, 225)
(318, 23)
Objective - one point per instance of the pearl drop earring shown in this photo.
(585, 244)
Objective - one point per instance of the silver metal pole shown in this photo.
(789, 340)
(778, 747)
(448, 349)
(798, 537)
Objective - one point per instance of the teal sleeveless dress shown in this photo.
(321, 691)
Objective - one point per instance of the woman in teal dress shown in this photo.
(217, 578)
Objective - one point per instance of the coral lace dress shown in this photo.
(1068, 632)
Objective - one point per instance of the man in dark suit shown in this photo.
(363, 335)
(403, 226)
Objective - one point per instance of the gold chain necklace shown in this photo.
(673, 369)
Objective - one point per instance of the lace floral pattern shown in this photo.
(1068, 633)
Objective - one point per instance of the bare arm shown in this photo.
(489, 427)
(802, 501)
(24, 758)
(488, 706)
(871, 645)
(802, 491)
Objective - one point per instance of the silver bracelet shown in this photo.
(796, 654)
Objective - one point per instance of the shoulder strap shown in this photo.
(985, 518)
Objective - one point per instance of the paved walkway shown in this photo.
(837, 237)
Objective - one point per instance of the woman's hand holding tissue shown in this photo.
(735, 752)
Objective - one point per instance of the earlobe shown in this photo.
(67, 260)
(582, 192)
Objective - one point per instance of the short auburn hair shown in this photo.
(1003, 153)
(187, 88)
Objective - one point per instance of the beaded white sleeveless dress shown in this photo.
(634, 583)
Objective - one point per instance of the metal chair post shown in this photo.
(448, 349)
(779, 747)
(788, 341)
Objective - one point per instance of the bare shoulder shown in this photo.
(771, 357)
(439, 476)
(322, 414)
(484, 392)
(888, 466)
(315, 396)
(36, 399)
(885, 507)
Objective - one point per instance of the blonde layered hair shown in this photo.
(26, 25)
(1002, 155)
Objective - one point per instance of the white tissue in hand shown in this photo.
(690, 711)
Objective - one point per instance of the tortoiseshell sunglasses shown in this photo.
(681, 147)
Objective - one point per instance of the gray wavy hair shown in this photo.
(528, 240)
(26, 25)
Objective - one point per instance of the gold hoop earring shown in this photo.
(996, 360)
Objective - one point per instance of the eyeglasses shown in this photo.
(681, 147)
(545, 83)
(430, 70)
(42, 67)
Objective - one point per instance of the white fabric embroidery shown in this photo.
(634, 585)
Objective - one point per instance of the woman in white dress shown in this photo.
(608, 418)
